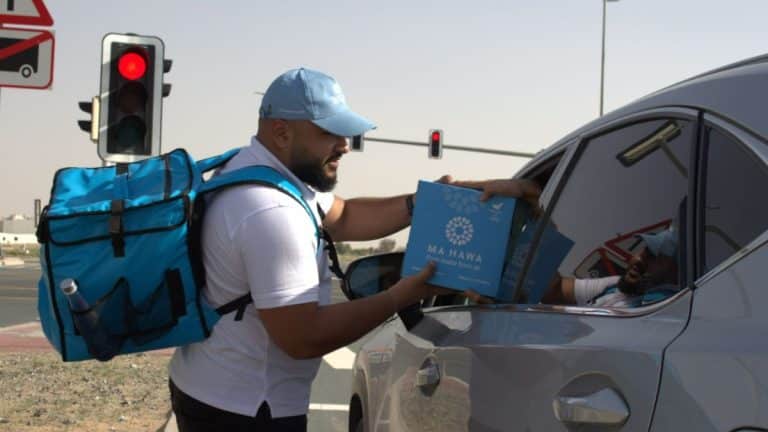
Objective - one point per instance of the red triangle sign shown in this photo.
(28, 12)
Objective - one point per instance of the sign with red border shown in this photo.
(26, 58)
(26, 12)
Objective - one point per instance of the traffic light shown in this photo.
(91, 126)
(435, 143)
(357, 143)
(131, 97)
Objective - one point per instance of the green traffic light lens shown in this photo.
(129, 137)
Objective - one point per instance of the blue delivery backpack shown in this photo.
(129, 237)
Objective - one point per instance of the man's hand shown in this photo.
(446, 179)
(414, 288)
(515, 188)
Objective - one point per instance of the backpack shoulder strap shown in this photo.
(237, 304)
(256, 175)
(212, 162)
(264, 176)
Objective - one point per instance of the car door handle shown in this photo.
(604, 407)
(428, 375)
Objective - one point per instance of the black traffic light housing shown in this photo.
(357, 143)
(131, 97)
(435, 143)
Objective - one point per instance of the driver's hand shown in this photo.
(502, 187)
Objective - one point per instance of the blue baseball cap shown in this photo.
(661, 243)
(306, 94)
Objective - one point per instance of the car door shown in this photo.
(518, 367)
(715, 374)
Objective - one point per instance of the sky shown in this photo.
(509, 75)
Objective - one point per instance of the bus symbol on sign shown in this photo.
(25, 62)
(26, 58)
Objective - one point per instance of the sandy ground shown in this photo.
(39, 392)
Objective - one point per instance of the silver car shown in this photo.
(693, 155)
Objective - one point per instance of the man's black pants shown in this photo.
(195, 416)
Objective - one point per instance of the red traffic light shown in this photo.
(436, 143)
(132, 66)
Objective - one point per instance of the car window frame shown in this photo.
(571, 150)
(660, 113)
(563, 156)
(758, 146)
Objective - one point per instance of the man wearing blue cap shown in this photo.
(255, 373)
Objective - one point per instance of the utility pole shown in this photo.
(602, 59)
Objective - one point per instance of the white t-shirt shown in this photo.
(261, 240)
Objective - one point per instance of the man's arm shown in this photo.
(281, 271)
(362, 219)
(308, 330)
(572, 291)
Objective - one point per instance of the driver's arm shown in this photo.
(561, 291)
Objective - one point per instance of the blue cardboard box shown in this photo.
(468, 238)
(552, 248)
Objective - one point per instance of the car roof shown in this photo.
(736, 92)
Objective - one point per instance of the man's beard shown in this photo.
(633, 288)
(646, 282)
(315, 176)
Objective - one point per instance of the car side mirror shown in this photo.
(371, 275)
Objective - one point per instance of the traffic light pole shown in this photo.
(453, 147)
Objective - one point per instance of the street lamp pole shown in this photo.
(602, 60)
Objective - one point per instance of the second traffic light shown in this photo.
(435, 143)
(131, 96)
(357, 143)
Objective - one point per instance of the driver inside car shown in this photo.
(651, 275)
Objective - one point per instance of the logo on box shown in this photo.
(459, 231)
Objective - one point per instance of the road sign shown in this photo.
(26, 58)
(27, 12)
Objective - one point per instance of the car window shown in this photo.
(628, 182)
(734, 210)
